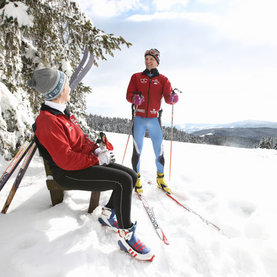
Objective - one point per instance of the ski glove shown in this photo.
(137, 100)
(104, 156)
(174, 98)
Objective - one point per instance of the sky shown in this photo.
(221, 54)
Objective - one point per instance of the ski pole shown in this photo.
(171, 135)
(171, 138)
(125, 149)
(134, 111)
(133, 116)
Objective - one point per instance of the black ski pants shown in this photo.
(115, 177)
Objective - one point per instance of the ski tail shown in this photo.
(19, 177)
(15, 162)
(81, 71)
(79, 67)
(153, 219)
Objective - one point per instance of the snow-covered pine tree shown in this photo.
(268, 143)
(41, 33)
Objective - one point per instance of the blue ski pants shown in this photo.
(153, 126)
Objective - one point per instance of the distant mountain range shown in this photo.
(253, 133)
(191, 127)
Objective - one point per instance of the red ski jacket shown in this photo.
(64, 140)
(152, 89)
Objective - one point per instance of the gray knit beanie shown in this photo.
(50, 82)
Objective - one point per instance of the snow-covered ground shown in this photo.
(232, 187)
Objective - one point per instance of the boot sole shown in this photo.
(148, 257)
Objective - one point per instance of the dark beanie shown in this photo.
(50, 82)
(154, 53)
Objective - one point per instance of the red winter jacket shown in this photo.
(62, 137)
(152, 89)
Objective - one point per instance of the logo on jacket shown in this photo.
(68, 125)
(74, 120)
(144, 80)
(156, 82)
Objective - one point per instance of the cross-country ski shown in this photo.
(152, 218)
(20, 175)
(15, 162)
(187, 208)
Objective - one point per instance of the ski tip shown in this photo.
(165, 240)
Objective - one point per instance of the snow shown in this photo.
(232, 187)
(208, 134)
(18, 10)
(18, 112)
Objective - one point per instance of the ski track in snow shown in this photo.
(231, 187)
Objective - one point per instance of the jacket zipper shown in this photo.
(148, 97)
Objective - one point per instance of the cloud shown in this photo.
(112, 8)
(209, 1)
(248, 21)
(205, 18)
(109, 8)
(165, 5)
(253, 21)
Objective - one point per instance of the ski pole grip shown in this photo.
(101, 140)
(176, 90)
(102, 137)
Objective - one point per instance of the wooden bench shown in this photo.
(57, 192)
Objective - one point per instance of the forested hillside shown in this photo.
(124, 126)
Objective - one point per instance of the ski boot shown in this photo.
(108, 218)
(138, 186)
(129, 243)
(162, 184)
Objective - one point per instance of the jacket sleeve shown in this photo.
(167, 89)
(54, 139)
(132, 87)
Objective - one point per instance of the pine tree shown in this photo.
(46, 33)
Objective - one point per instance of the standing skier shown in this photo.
(79, 164)
(145, 91)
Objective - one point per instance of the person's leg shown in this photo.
(129, 171)
(102, 178)
(155, 133)
(138, 135)
(120, 180)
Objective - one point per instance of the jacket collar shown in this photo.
(54, 111)
(154, 71)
